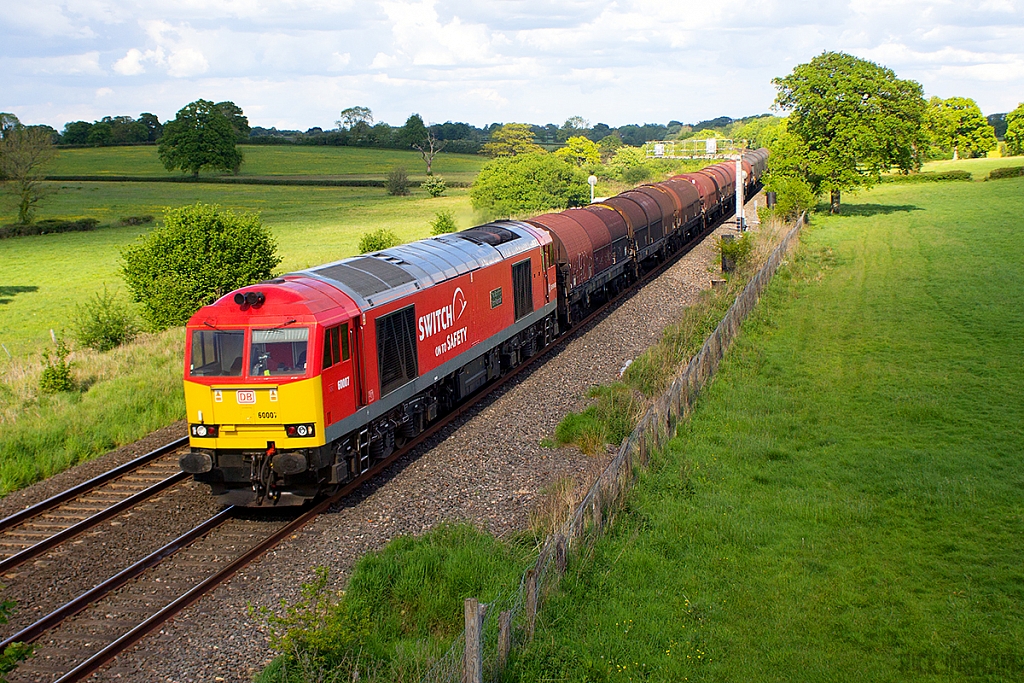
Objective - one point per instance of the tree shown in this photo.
(510, 140)
(200, 254)
(24, 152)
(353, 115)
(429, 147)
(579, 151)
(76, 133)
(153, 126)
(200, 136)
(239, 123)
(855, 119)
(1015, 130)
(528, 183)
(413, 132)
(101, 133)
(573, 126)
(958, 124)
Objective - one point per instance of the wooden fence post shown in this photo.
(560, 554)
(504, 637)
(531, 603)
(473, 663)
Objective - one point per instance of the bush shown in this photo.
(56, 375)
(378, 240)
(793, 196)
(434, 185)
(136, 220)
(1012, 172)
(397, 182)
(943, 176)
(444, 222)
(736, 251)
(105, 322)
(48, 226)
(200, 254)
(528, 183)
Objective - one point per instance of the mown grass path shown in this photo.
(847, 502)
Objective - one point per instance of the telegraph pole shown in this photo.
(741, 223)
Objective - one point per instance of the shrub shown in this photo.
(136, 220)
(528, 183)
(1012, 172)
(434, 185)
(736, 251)
(56, 375)
(377, 240)
(50, 225)
(794, 196)
(444, 222)
(200, 254)
(943, 176)
(105, 322)
(397, 182)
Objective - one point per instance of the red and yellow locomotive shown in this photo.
(301, 383)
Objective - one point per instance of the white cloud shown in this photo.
(130, 64)
(104, 92)
(296, 63)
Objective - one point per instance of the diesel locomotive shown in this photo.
(297, 385)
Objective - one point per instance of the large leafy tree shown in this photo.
(200, 136)
(1015, 130)
(200, 254)
(510, 140)
(528, 183)
(957, 124)
(855, 120)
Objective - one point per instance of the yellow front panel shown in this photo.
(250, 415)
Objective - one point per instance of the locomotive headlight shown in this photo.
(203, 431)
(301, 430)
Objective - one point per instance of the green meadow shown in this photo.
(845, 503)
(46, 278)
(979, 168)
(271, 160)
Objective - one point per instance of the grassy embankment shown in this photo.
(978, 168)
(844, 504)
(125, 394)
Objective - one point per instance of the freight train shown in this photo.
(298, 385)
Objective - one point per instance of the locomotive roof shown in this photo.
(383, 276)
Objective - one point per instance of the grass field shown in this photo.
(845, 503)
(979, 168)
(264, 160)
(45, 277)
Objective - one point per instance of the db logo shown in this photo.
(247, 397)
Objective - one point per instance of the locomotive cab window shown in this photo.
(216, 353)
(522, 288)
(335, 345)
(279, 352)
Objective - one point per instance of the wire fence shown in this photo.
(496, 628)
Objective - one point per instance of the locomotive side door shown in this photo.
(339, 377)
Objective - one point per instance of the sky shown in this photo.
(296, 64)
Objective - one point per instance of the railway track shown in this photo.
(81, 636)
(39, 528)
